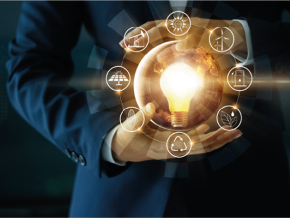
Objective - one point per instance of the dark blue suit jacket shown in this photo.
(40, 68)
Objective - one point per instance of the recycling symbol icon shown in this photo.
(178, 144)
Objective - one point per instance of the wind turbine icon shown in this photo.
(222, 38)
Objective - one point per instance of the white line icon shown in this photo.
(239, 78)
(118, 77)
(221, 38)
(229, 116)
(229, 120)
(185, 139)
(137, 41)
(174, 145)
(178, 23)
(131, 122)
(218, 44)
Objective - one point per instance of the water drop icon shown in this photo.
(232, 114)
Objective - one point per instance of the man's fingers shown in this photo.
(217, 140)
(166, 54)
(199, 130)
(188, 42)
(227, 137)
(203, 140)
(157, 33)
(138, 118)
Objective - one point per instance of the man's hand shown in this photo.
(198, 34)
(140, 146)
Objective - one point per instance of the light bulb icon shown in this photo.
(179, 83)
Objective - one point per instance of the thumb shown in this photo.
(138, 118)
(186, 43)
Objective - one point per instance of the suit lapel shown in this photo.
(159, 9)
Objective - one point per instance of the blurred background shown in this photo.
(37, 178)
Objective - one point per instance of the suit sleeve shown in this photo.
(270, 39)
(38, 74)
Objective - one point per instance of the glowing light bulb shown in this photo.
(179, 82)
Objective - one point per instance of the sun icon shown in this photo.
(178, 23)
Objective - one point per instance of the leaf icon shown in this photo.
(142, 33)
(131, 122)
(131, 113)
(226, 118)
(234, 121)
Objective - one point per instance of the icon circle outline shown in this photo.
(235, 109)
(166, 22)
(223, 50)
(136, 50)
(171, 136)
(121, 119)
(244, 88)
(117, 90)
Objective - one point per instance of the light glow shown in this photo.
(179, 83)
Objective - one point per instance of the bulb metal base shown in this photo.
(179, 119)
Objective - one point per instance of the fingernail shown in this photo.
(148, 109)
(239, 135)
(220, 136)
(179, 46)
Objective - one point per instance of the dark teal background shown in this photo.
(36, 177)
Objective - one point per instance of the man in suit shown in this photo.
(123, 183)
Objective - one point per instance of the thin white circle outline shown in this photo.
(235, 109)
(107, 78)
(183, 134)
(121, 119)
(154, 123)
(166, 22)
(244, 88)
(136, 50)
(210, 41)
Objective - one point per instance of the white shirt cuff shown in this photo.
(249, 59)
(106, 148)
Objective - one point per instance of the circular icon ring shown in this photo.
(168, 141)
(122, 123)
(221, 50)
(125, 86)
(235, 109)
(128, 47)
(246, 86)
(166, 22)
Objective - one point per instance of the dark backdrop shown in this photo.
(36, 178)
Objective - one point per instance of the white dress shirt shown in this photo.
(106, 147)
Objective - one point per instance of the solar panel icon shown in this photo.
(118, 77)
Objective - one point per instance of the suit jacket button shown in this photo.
(67, 152)
(74, 157)
(82, 160)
